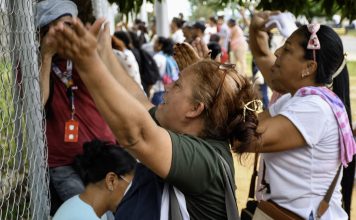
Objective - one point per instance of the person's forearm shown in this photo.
(124, 114)
(121, 76)
(258, 42)
(261, 53)
(127, 117)
(44, 78)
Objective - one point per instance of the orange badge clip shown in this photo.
(71, 131)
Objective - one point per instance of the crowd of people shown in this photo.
(143, 127)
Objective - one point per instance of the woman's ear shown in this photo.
(196, 110)
(110, 181)
(312, 66)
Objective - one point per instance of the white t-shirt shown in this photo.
(129, 62)
(178, 36)
(209, 30)
(161, 62)
(300, 178)
(75, 209)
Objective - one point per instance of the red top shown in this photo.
(91, 124)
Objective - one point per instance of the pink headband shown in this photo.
(313, 43)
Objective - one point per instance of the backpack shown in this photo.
(172, 71)
(148, 69)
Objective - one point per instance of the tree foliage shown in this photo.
(129, 6)
(204, 9)
(309, 8)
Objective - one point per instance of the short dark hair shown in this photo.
(214, 38)
(138, 21)
(167, 45)
(134, 40)
(124, 36)
(178, 22)
(215, 49)
(99, 158)
(200, 26)
(232, 21)
(213, 19)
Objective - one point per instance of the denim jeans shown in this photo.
(311, 217)
(66, 182)
(157, 98)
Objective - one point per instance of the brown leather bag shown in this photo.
(268, 210)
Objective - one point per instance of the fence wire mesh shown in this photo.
(23, 155)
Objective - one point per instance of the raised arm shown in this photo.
(126, 116)
(258, 39)
(48, 49)
(116, 69)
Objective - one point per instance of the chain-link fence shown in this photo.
(23, 156)
(23, 152)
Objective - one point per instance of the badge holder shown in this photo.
(71, 130)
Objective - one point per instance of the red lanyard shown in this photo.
(67, 78)
(71, 129)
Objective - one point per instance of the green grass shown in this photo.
(351, 65)
(14, 189)
(249, 63)
(352, 32)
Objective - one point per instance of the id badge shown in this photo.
(71, 131)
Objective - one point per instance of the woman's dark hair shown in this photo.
(138, 21)
(123, 35)
(329, 58)
(214, 38)
(100, 158)
(167, 45)
(224, 116)
(232, 22)
(142, 27)
(179, 23)
(215, 49)
(134, 40)
(213, 19)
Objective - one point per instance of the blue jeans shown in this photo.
(66, 182)
(311, 217)
(157, 98)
